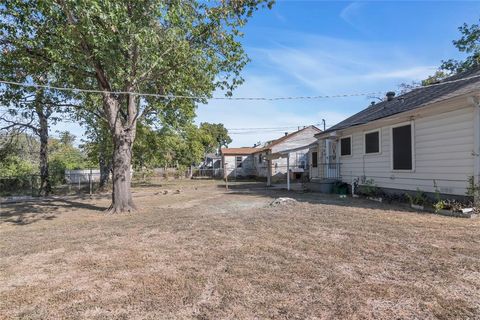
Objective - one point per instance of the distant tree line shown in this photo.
(20, 151)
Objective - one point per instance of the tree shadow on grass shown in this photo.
(25, 213)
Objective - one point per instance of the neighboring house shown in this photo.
(253, 162)
(293, 145)
(211, 161)
(428, 136)
(238, 162)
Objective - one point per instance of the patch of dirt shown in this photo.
(283, 202)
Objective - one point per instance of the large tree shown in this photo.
(176, 47)
(219, 134)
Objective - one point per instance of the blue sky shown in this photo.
(324, 48)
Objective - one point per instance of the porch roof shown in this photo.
(285, 153)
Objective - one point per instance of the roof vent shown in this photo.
(372, 103)
(286, 134)
(390, 95)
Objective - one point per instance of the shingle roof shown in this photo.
(464, 83)
(242, 151)
(277, 141)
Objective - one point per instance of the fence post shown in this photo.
(79, 186)
(31, 184)
(90, 181)
(226, 181)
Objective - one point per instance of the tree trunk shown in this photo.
(123, 133)
(45, 185)
(122, 155)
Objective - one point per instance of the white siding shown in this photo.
(260, 167)
(279, 166)
(443, 146)
(303, 138)
(230, 166)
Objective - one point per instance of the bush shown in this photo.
(419, 198)
(370, 189)
(340, 187)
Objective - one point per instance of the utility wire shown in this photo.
(274, 128)
(169, 96)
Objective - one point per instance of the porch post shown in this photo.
(327, 159)
(337, 158)
(269, 172)
(288, 171)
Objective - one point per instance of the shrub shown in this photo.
(419, 198)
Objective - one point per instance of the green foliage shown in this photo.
(65, 156)
(469, 43)
(15, 166)
(180, 147)
(22, 145)
(215, 136)
(473, 189)
(419, 198)
(440, 205)
(435, 78)
(370, 189)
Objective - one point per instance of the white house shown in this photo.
(429, 136)
(292, 146)
(270, 160)
(238, 162)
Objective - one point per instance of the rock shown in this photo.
(283, 202)
(177, 192)
(165, 192)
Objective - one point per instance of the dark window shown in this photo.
(260, 158)
(402, 147)
(372, 142)
(346, 146)
(239, 162)
(314, 159)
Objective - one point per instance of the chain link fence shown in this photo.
(88, 181)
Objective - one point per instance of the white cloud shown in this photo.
(414, 73)
(351, 12)
(328, 65)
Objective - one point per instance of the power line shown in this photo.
(171, 96)
(272, 128)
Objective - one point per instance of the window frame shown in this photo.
(238, 164)
(351, 146)
(412, 134)
(379, 130)
(315, 163)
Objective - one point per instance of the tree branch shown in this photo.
(13, 124)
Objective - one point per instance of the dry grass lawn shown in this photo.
(208, 254)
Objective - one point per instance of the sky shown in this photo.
(311, 48)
